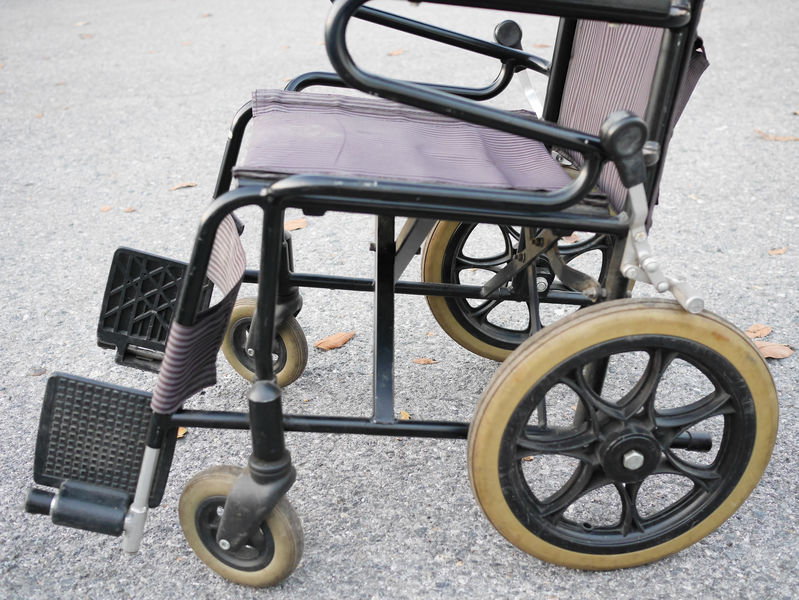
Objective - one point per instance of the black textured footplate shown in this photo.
(138, 304)
(95, 433)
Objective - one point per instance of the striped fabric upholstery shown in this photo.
(189, 363)
(303, 133)
(612, 68)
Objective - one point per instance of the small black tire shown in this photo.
(261, 563)
(291, 347)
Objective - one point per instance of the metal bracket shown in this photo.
(570, 277)
(546, 242)
(639, 263)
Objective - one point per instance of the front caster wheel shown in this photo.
(621, 484)
(289, 349)
(269, 556)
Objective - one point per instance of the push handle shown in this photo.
(623, 136)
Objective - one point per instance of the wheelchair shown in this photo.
(492, 199)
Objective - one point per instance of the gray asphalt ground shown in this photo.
(111, 104)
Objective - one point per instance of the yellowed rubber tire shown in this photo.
(283, 523)
(290, 337)
(432, 270)
(585, 329)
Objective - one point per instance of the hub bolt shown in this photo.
(633, 460)
(250, 352)
(541, 284)
(224, 544)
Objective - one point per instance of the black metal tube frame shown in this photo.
(318, 194)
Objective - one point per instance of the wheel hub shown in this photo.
(629, 455)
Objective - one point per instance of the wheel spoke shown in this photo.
(700, 476)
(630, 518)
(585, 479)
(714, 404)
(510, 235)
(481, 312)
(642, 395)
(592, 401)
(574, 443)
(491, 263)
(572, 251)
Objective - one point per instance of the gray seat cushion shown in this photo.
(324, 134)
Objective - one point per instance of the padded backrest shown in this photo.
(611, 68)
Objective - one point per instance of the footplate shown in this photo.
(138, 304)
(95, 433)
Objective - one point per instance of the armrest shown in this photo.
(496, 87)
(437, 101)
(506, 54)
(440, 102)
(662, 13)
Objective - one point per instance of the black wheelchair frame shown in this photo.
(621, 140)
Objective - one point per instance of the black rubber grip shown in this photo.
(91, 507)
(38, 501)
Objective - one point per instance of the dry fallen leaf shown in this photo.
(186, 43)
(105, 208)
(777, 251)
(527, 458)
(86, 36)
(424, 361)
(770, 137)
(570, 239)
(182, 431)
(39, 116)
(337, 340)
(206, 15)
(180, 186)
(459, 563)
(294, 224)
(541, 45)
(128, 209)
(796, 112)
(429, 333)
(405, 416)
(36, 371)
(396, 52)
(773, 350)
(1, 65)
(82, 23)
(757, 330)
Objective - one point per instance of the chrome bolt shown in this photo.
(650, 264)
(541, 284)
(633, 460)
(224, 544)
(630, 272)
(250, 352)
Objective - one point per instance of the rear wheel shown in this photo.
(624, 484)
(468, 253)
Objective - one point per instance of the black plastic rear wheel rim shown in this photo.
(474, 319)
(255, 555)
(545, 517)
